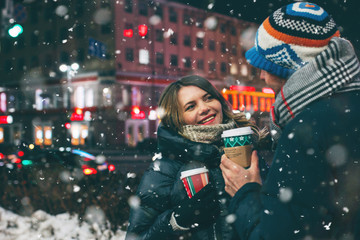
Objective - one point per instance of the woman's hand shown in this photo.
(236, 176)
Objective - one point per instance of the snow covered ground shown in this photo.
(41, 225)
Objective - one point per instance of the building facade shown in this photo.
(90, 73)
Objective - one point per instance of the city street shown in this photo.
(90, 89)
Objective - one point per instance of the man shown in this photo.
(312, 190)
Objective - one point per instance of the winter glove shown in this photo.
(200, 210)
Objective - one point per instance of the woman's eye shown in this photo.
(209, 97)
(189, 107)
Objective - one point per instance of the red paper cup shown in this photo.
(194, 180)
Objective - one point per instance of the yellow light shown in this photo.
(78, 111)
(31, 146)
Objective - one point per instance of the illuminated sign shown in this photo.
(136, 113)
(143, 29)
(6, 119)
(77, 115)
(242, 88)
(249, 100)
(128, 33)
(268, 90)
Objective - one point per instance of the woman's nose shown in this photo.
(204, 108)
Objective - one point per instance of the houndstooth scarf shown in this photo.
(334, 70)
(204, 133)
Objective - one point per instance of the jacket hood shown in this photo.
(174, 146)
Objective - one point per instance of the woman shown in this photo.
(189, 136)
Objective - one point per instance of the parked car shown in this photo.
(28, 156)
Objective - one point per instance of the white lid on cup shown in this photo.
(192, 172)
(237, 132)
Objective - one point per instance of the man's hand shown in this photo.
(236, 176)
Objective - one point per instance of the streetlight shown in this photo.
(70, 70)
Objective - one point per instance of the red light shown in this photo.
(89, 171)
(67, 125)
(242, 88)
(20, 153)
(77, 115)
(79, 111)
(268, 90)
(17, 160)
(136, 113)
(143, 29)
(4, 120)
(128, 33)
(2, 156)
(136, 109)
(111, 167)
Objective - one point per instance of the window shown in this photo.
(200, 43)
(159, 35)
(48, 60)
(6, 45)
(158, 11)
(173, 60)
(106, 28)
(49, 10)
(129, 54)
(64, 33)
(79, 9)
(234, 50)
(21, 64)
(159, 58)
(173, 39)
(211, 45)
(187, 40)
(128, 7)
(222, 28)
(233, 30)
(143, 10)
(80, 55)
(223, 67)
(34, 61)
(212, 66)
(223, 47)
(187, 62)
(172, 15)
(128, 26)
(64, 57)
(33, 15)
(48, 37)
(34, 41)
(187, 20)
(21, 42)
(200, 64)
(199, 22)
(144, 57)
(79, 31)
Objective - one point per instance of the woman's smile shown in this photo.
(198, 107)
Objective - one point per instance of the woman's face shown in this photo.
(198, 107)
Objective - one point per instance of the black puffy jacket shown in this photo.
(161, 190)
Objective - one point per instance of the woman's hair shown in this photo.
(172, 116)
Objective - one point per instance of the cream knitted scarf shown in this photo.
(204, 133)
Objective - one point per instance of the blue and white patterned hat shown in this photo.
(291, 37)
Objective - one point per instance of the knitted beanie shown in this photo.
(291, 37)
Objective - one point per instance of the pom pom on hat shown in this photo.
(290, 37)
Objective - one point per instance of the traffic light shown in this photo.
(15, 30)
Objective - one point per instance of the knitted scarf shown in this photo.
(334, 70)
(204, 133)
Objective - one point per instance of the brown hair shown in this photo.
(172, 116)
